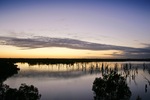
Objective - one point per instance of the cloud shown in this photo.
(41, 42)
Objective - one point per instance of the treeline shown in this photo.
(62, 61)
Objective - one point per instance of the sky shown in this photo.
(74, 29)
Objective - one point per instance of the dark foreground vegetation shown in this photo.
(7, 69)
(111, 86)
(33, 61)
(25, 92)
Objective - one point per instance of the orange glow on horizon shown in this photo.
(54, 52)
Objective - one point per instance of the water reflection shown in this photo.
(73, 81)
(130, 71)
(25, 92)
(138, 98)
(78, 69)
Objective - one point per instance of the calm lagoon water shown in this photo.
(74, 81)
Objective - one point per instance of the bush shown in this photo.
(111, 86)
(25, 92)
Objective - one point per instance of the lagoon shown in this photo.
(74, 81)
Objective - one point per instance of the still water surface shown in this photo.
(74, 81)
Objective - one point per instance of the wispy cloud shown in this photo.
(41, 42)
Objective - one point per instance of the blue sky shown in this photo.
(114, 23)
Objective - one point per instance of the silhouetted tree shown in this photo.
(7, 69)
(25, 92)
(111, 86)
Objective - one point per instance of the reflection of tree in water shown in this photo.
(111, 87)
(25, 92)
(138, 98)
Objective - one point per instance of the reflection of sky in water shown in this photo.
(74, 82)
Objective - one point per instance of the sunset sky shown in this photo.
(74, 28)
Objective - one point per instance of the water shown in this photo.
(74, 81)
